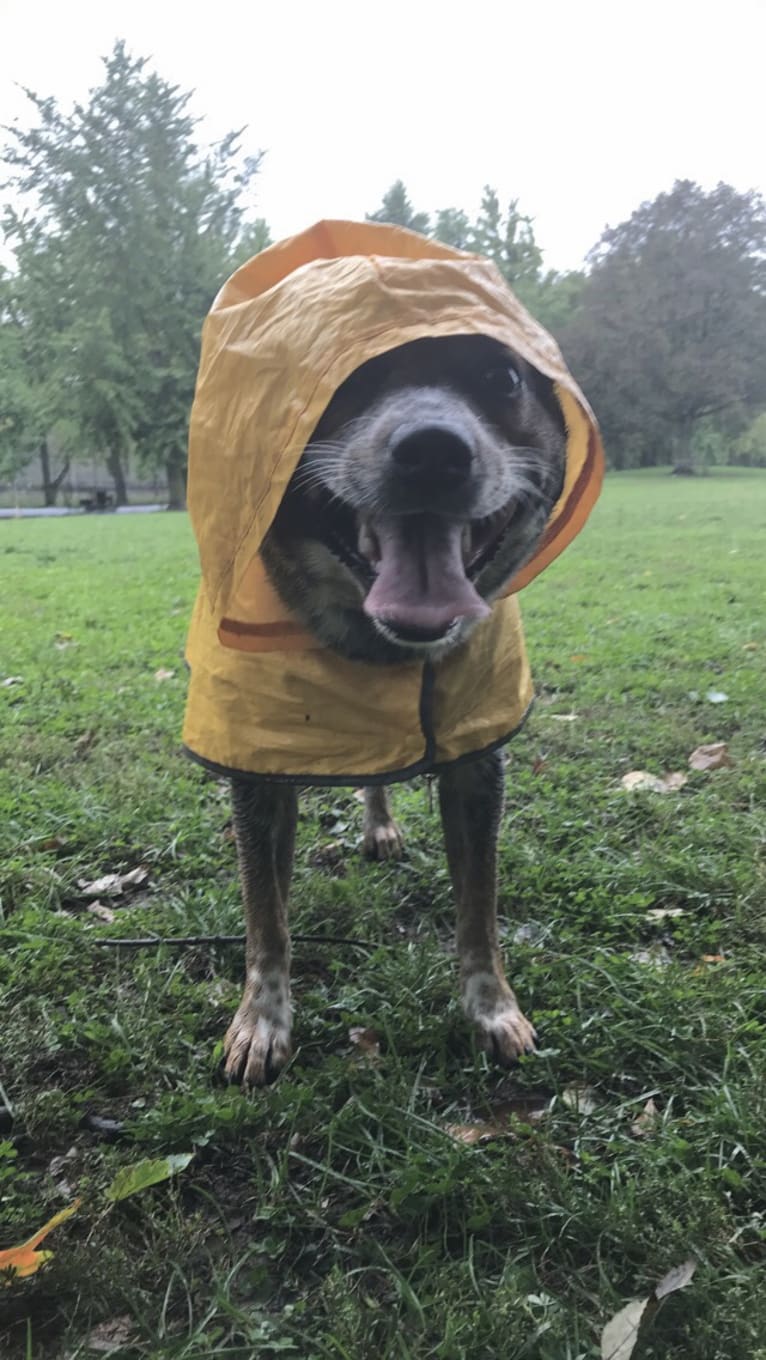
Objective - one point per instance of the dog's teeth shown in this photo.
(367, 543)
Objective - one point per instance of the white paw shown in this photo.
(503, 1030)
(383, 840)
(257, 1043)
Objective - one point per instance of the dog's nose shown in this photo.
(429, 452)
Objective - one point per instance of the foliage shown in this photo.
(333, 1215)
(399, 212)
(671, 327)
(126, 232)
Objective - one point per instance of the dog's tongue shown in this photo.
(421, 581)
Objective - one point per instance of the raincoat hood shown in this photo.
(282, 335)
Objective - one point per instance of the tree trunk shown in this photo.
(51, 485)
(114, 465)
(175, 471)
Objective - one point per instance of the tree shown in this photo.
(132, 230)
(670, 334)
(508, 240)
(453, 228)
(397, 210)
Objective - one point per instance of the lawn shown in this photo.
(343, 1213)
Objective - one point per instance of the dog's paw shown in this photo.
(382, 840)
(257, 1042)
(503, 1030)
(506, 1035)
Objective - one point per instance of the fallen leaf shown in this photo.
(656, 955)
(367, 1041)
(131, 1180)
(711, 757)
(713, 958)
(103, 913)
(646, 1121)
(658, 914)
(579, 656)
(108, 1129)
(50, 843)
(746, 647)
(677, 1278)
(539, 764)
(533, 933)
(716, 696)
(478, 1133)
(112, 885)
(110, 1336)
(84, 742)
(642, 780)
(163, 674)
(12, 680)
(63, 640)
(563, 717)
(581, 1099)
(24, 1260)
(619, 1337)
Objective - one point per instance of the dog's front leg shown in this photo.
(471, 802)
(257, 1044)
(381, 837)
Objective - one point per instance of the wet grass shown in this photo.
(335, 1215)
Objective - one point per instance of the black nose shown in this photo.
(432, 452)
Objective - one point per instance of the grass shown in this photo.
(334, 1215)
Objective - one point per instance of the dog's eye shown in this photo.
(503, 381)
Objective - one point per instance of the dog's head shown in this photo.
(427, 483)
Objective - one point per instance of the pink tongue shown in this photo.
(421, 581)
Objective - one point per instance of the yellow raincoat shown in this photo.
(265, 698)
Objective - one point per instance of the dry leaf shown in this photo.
(366, 1041)
(711, 757)
(659, 914)
(24, 1260)
(642, 780)
(582, 1099)
(539, 765)
(478, 1133)
(620, 1335)
(677, 1278)
(716, 696)
(746, 647)
(163, 674)
(656, 955)
(579, 656)
(112, 885)
(563, 717)
(103, 913)
(646, 1121)
(713, 958)
(12, 680)
(84, 742)
(110, 1336)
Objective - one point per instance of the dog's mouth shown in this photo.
(419, 569)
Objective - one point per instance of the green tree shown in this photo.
(133, 229)
(508, 239)
(669, 338)
(397, 210)
(453, 228)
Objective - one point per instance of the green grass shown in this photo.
(333, 1215)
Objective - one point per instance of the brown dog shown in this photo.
(427, 483)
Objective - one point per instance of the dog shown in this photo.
(427, 483)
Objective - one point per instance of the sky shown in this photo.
(580, 110)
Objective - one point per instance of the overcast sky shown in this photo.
(581, 109)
